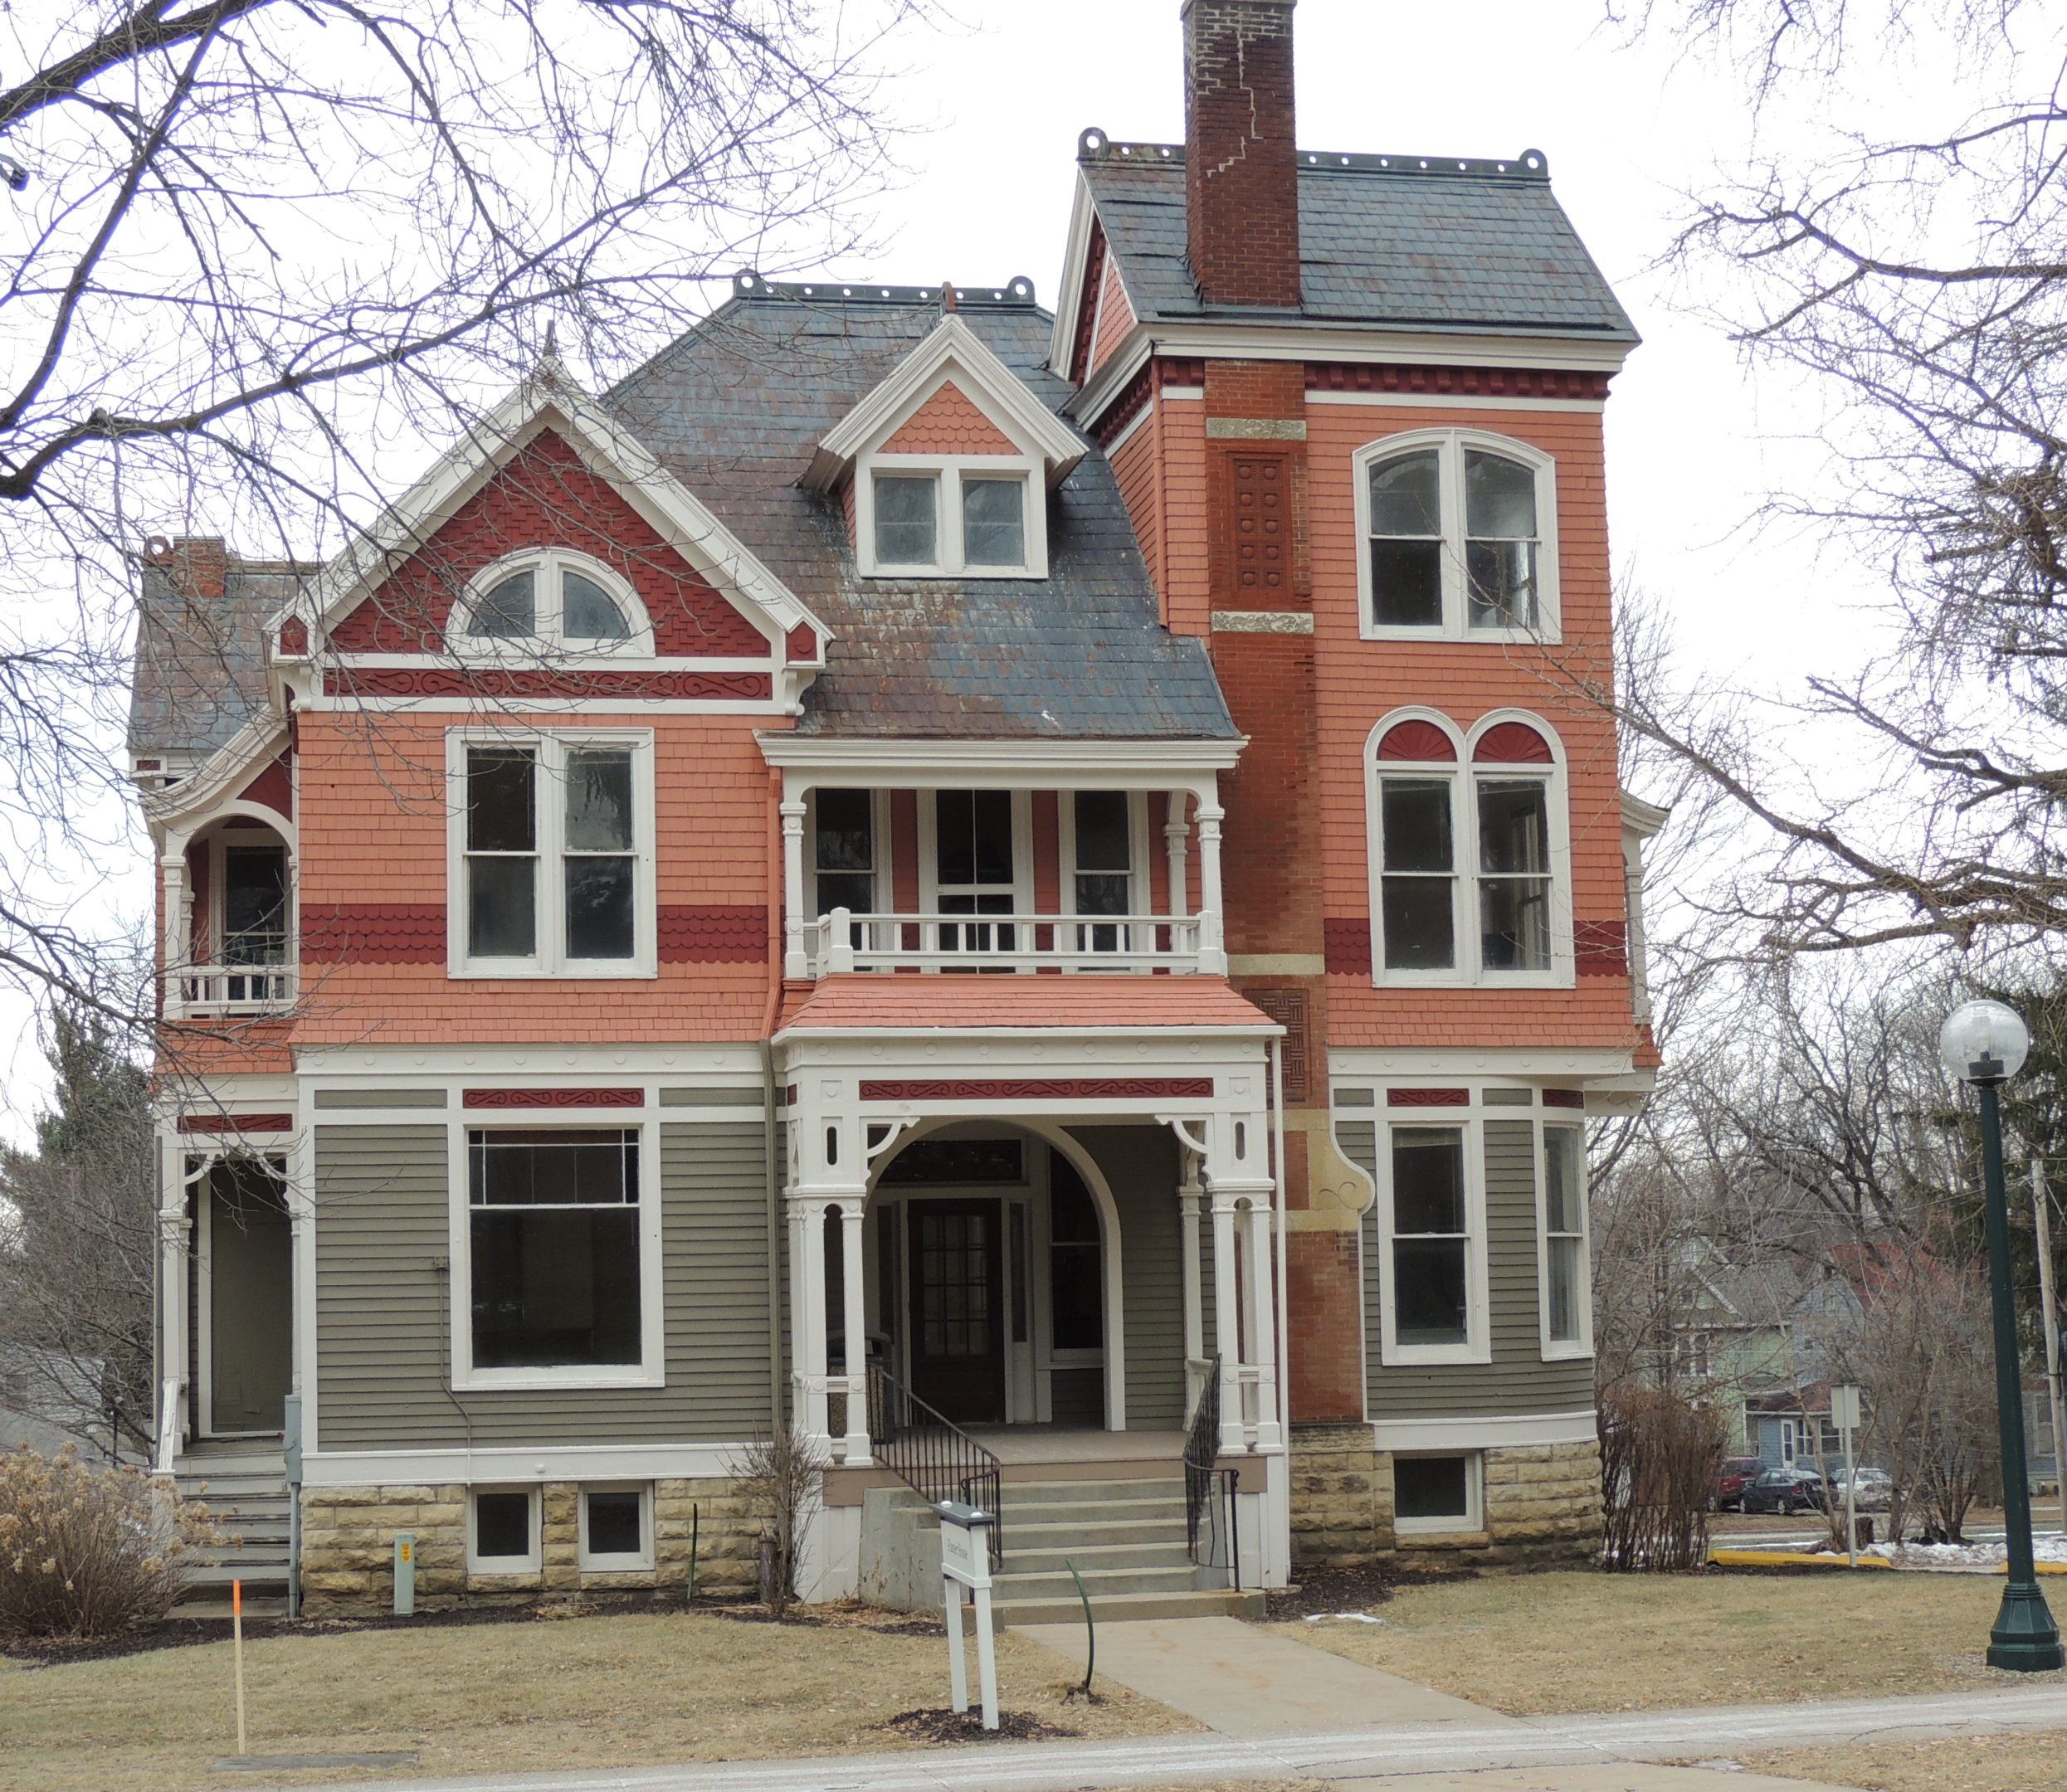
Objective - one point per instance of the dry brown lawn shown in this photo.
(1532, 1643)
(617, 1691)
(1957, 1764)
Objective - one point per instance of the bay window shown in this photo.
(552, 860)
(1458, 534)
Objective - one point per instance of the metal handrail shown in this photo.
(931, 1455)
(1210, 1531)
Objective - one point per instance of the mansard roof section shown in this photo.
(738, 407)
(953, 355)
(551, 403)
(1404, 243)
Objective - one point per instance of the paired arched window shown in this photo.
(1459, 536)
(551, 600)
(1470, 873)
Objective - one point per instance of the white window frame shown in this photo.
(477, 1563)
(1451, 444)
(1477, 1345)
(550, 642)
(883, 873)
(1464, 778)
(551, 959)
(1564, 1350)
(641, 1561)
(949, 471)
(1473, 1517)
(1022, 851)
(1139, 871)
(650, 1371)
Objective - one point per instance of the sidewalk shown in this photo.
(1582, 1753)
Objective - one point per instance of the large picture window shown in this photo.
(554, 1239)
(1467, 857)
(1459, 536)
(553, 856)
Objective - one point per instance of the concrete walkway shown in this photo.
(1586, 1754)
(1244, 1682)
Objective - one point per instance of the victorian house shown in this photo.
(1035, 894)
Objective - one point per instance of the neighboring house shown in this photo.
(584, 870)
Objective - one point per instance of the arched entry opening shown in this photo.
(991, 1276)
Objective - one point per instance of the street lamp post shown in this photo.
(1984, 1044)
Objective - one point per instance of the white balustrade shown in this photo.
(203, 990)
(843, 941)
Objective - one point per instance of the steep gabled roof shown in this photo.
(200, 671)
(1391, 242)
(737, 410)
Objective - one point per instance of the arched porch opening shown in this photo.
(230, 933)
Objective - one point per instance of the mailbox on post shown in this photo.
(965, 1564)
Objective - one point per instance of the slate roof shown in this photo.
(734, 409)
(200, 671)
(1384, 240)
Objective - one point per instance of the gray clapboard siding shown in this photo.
(1517, 1379)
(382, 1349)
(1139, 1165)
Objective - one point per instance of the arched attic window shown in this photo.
(1471, 871)
(552, 599)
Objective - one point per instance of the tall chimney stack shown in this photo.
(1240, 157)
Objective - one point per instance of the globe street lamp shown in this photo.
(1984, 1044)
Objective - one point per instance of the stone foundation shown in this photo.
(347, 1549)
(1542, 1505)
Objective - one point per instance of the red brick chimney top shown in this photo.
(1241, 158)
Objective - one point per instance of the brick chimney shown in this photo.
(1241, 161)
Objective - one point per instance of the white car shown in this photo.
(1870, 1488)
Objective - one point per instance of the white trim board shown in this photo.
(1516, 1432)
(514, 1467)
(1455, 402)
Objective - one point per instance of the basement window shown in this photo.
(1436, 1492)
(616, 1530)
(503, 1531)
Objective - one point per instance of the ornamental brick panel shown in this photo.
(553, 1098)
(1460, 381)
(236, 1122)
(1428, 1098)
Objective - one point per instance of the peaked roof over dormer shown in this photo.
(952, 356)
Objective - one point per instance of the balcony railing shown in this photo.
(843, 941)
(203, 990)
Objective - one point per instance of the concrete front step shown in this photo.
(1116, 1608)
(1016, 1494)
(1077, 1512)
(1100, 1583)
(1092, 1551)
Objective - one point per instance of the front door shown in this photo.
(957, 1284)
(250, 1281)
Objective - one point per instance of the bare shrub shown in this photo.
(1659, 1457)
(778, 1476)
(89, 1552)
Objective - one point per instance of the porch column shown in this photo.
(808, 1368)
(1190, 1198)
(1227, 1321)
(853, 1308)
(177, 1188)
(1176, 832)
(1212, 952)
(1263, 1324)
(794, 961)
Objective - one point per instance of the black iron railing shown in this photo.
(932, 1455)
(1209, 1490)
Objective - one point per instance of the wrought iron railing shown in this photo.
(932, 1455)
(1209, 1490)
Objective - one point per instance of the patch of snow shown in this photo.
(2045, 1548)
(1346, 1617)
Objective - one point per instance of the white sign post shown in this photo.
(965, 1562)
(1844, 1416)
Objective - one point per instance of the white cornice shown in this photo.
(1644, 819)
(952, 351)
(1030, 764)
(1069, 299)
(257, 743)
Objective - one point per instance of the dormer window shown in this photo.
(975, 516)
(551, 600)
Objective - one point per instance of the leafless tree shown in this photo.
(263, 252)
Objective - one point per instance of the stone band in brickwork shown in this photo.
(348, 1541)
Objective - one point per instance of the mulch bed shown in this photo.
(940, 1725)
(1339, 1590)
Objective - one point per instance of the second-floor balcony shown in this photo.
(200, 991)
(965, 942)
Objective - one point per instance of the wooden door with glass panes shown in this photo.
(956, 1256)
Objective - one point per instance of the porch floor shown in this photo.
(1026, 1444)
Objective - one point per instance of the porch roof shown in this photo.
(868, 1001)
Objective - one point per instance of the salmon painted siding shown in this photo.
(1115, 316)
(949, 423)
(1135, 465)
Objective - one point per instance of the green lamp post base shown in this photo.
(2025, 1639)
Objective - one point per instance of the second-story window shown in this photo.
(1103, 880)
(554, 857)
(551, 600)
(1458, 538)
(844, 864)
(254, 905)
(975, 515)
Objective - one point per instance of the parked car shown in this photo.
(1737, 1473)
(1872, 1489)
(1785, 1490)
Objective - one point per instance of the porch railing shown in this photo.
(843, 941)
(229, 989)
(1209, 1492)
(932, 1455)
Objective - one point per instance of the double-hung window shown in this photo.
(947, 516)
(1102, 873)
(556, 1254)
(1566, 1297)
(1467, 858)
(1459, 539)
(1434, 1247)
(551, 860)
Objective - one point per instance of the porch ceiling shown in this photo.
(868, 1002)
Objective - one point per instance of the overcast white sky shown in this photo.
(1693, 443)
